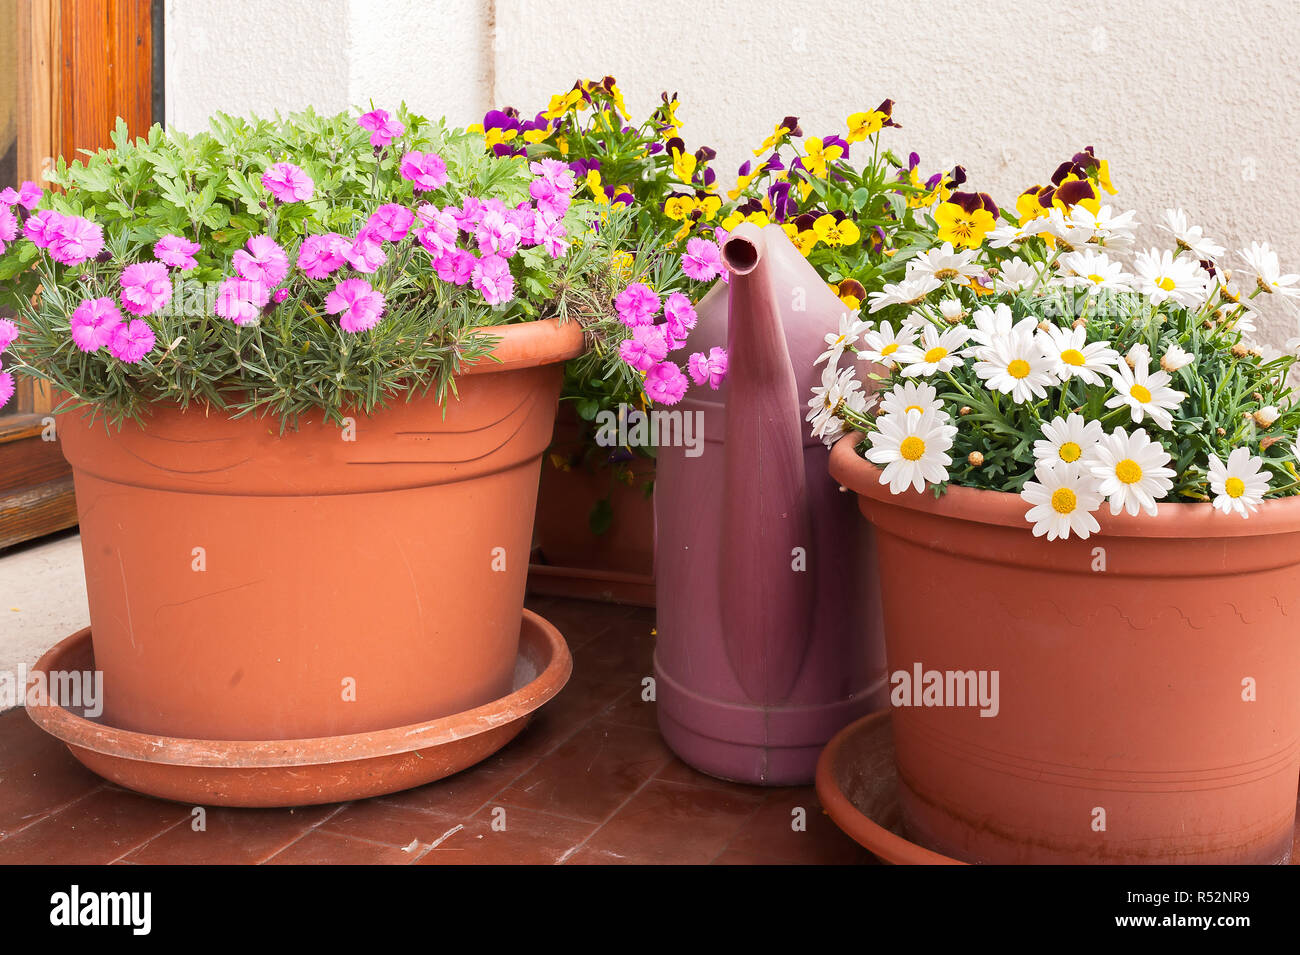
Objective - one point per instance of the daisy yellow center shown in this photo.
(1128, 471)
(1019, 368)
(911, 448)
(1166, 283)
(1072, 356)
(913, 408)
(889, 349)
(1234, 486)
(1064, 500)
(1096, 279)
(944, 275)
(936, 354)
(1070, 452)
(1141, 393)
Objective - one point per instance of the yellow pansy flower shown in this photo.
(862, 125)
(709, 207)
(678, 208)
(778, 132)
(1103, 176)
(805, 187)
(622, 263)
(844, 232)
(819, 155)
(733, 220)
(804, 241)
(759, 219)
(562, 103)
(1028, 207)
(597, 190)
(960, 227)
(743, 180)
(683, 232)
(683, 165)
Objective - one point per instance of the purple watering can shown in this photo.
(765, 645)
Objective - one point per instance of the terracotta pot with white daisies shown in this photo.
(1083, 481)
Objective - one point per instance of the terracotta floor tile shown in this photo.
(668, 823)
(97, 829)
(579, 621)
(326, 848)
(230, 836)
(592, 774)
(631, 710)
(624, 652)
(37, 773)
(737, 857)
(573, 708)
(771, 833)
(677, 771)
(378, 821)
(528, 838)
(464, 793)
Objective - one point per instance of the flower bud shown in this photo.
(965, 410)
(1240, 351)
(1265, 416)
(975, 459)
(1268, 442)
(1176, 358)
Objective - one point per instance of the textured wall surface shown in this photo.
(1195, 104)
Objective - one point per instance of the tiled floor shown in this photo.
(589, 782)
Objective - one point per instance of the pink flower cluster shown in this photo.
(26, 196)
(96, 323)
(638, 308)
(8, 332)
(70, 240)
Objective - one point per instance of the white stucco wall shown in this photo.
(1194, 104)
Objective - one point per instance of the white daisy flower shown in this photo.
(883, 344)
(951, 309)
(1007, 234)
(1061, 501)
(1072, 357)
(990, 324)
(1161, 276)
(1014, 364)
(1176, 357)
(912, 448)
(912, 396)
(1094, 271)
(851, 329)
(1190, 238)
(944, 265)
(1131, 469)
(935, 352)
(1016, 275)
(1146, 393)
(1268, 271)
(1104, 227)
(839, 388)
(910, 291)
(1059, 225)
(1240, 484)
(1067, 440)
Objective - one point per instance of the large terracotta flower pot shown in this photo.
(1148, 704)
(250, 585)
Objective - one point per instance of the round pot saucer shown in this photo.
(858, 786)
(302, 772)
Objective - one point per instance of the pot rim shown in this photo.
(519, 703)
(1005, 509)
(529, 344)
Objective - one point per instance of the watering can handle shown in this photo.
(766, 590)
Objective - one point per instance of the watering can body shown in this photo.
(769, 631)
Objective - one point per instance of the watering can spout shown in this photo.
(743, 249)
(765, 521)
